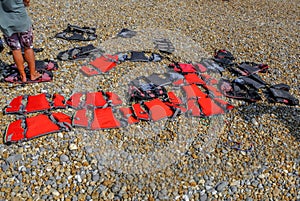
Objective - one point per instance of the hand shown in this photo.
(26, 2)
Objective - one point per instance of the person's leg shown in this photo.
(26, 40)
(18, 58)
(30, 59)
(15, 46)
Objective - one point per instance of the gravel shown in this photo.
(136, 163)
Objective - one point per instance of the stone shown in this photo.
(73, 146)
(14, 158)
(63, 158)
(221, 186)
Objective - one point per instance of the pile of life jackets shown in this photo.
(186, 89)
(149, 101)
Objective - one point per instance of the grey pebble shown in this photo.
(34, 163)
(203, 197)
(64, 158)
(14, 158)
(233, 189)
(5, 167)
(255, 183)
(221, 186)
(249, 199)
(88, 149)
(95, 177)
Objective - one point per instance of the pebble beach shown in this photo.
(249, 153)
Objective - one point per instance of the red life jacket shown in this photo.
(15, 106)
(193, 108)
(201, 68)
(89, 71)
(192, 91)
(105, 63)
(75, 100)
(213, 91)
(208, 79)
(104, 118)
(40, 125)
(14, 132)
(58, 101)
(128, 114)
(80, 119)
(113, 98)
(63, 120)
(175, 103)
(158, 110)
(95, 99)
(139, 112)
(183, 68)
(37, 103)
(192, 78)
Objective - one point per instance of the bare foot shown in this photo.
(23, 78)
(35, 76)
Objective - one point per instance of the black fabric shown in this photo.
(251, 67)
(77, 53)
(142, 88)
(164, 45)
(160, 79)
(73, 32)
(212, 65)
(224, 57)
(138, 57)
(239, 91)
(126, 33)
(253, 81)
(280, 94)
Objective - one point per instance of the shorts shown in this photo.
(20, 40)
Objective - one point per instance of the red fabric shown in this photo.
(184, 68)
(193, 78)
(58, 101)
(75, 100)
(105, 63)
(139, 112)
(173, 98)
(209, 79)
(62, 118)
(104, 118)
(192, 91)
(80, 118)
(14, 132)
(158, 110)
(89, 71)
(114, 98)
(178, 82)
(201, 68)
(213, 90)
(15, 106)
(193, 108)
(128, 114)
(209, 107)
(40, 125)
(224, 104)
(95, 99)
(37, 103)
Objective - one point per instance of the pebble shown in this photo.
(203, 197)
(220, 187)
(14, 158)
(73, 147)
(64, 158)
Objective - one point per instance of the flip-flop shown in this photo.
(46, 76)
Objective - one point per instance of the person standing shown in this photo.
(16, 26)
